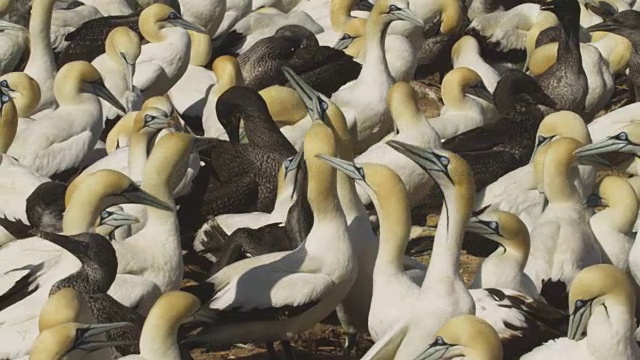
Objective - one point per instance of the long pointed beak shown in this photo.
(346, 167)
(188, 25)
(136, 195)
(308, 95)
(86, 332)
(480, 91)
(101, 91)
(477, 226)
(74, 246)
(294, 163)
(578, 322)
(436, 352)
(604, 146)
(594, 160)
(539, 145)
(117, 218)
(425, 158)
(158, 123)
(6, 25)
(343, 42)
(408, 15)
(130, 70)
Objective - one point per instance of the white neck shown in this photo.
(41, 65)
(375, 64)
(610, 333)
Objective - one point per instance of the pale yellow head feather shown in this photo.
(120, 133)
(403, 105)
(543, 58)
(544, 20)
(8, 123)
(466, 42)
(604, 283)
(514, 233)
(54, 343)
(123, 41)
(451, 16)
(170, 310)
(66, 305)
(150, 20)
(455, 83)
(557, 162)
(284, 104)
(619, 195)
(26, 92)
(70, 79)
(200, 48)
(167, 163)
(566, 124)
(321, 191)
(477, 338)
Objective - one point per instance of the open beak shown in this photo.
(180, 22)
(99, 89)
(407, 15)
(608, 145)
(309, 96)
(480, 91)
(346, 167)
(135, 195)
(578, 322)
(85, 333)
(427, 159)
(117, 218)
(344, 42)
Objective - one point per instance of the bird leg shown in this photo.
(288, 351)
(271, 350)
(350, 343)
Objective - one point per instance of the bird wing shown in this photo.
(485, 137)
(270, 292)
(387, 347)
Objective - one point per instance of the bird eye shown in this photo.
(541, 139)
(623, 136)
(148, 118)
(323, 105)
(4, 83)
(346, 37)
(5, 98)
(444, 161)
(287, 162)
(173, 16)
(393, 8)
(439, 341)
(580, 304)
(493, 225)
(360, 171)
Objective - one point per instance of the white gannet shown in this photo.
(462, 111)
(613, 225)
(362, 101)
(188, 95)
(466, 53)
(117, 67)
(94, 194)
(562, 242)
(41, 64)
(23, 89)
(165, 59)
(602, 303)
(504, 267)
(112, 7)
(624, 138)
(152, 255)
(411, 127)
(465, 337)
(160, 331)
(517, 192)
(14, 40)
(228, 74)
(307, 283)
(60, 140)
